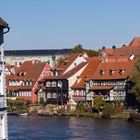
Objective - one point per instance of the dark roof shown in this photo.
(37, 52)
(3, 23)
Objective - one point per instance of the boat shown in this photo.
(23, 114)
(134, 117)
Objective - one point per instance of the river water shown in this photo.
(71, 128)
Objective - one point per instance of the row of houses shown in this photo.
(79, 78)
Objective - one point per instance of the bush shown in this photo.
(18, 105)
(82, 108)
(98, 103)
(42, 102)
(119, 107)
(108, 110)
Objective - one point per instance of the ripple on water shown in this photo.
(71, 128)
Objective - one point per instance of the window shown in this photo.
(111, 72)
(30, 83)
(48, 62)
(27, 83)
(53, 84)
(49, 95)
(29, 93)
(23, 83)
(19, 63)
(54, 95)
(101, 72)
(48, 84)
(121, 71)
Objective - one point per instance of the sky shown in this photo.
(58, 24)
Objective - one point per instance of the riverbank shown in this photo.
(106, 110)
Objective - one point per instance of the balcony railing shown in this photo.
(2, 102)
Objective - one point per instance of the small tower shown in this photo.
(3, 104)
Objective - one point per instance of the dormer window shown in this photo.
(111, 72)
(101, 72)
(121, 71)
(22, 74)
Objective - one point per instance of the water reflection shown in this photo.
(71, 128)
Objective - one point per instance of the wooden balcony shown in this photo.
(78, 98)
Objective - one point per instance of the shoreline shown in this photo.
(84, 115)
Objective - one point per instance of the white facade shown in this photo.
(3, 104)
(76, 62)
(51, 59)
(72, 80)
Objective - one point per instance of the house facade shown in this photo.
(24, 83)
(4, 28)
(104, 77)
(109, 81)
(79, 87)
(56, 89)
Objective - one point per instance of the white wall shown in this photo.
(77, 61)
(12, 59)
(73, 78)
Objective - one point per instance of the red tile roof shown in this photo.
(113, 70)
(69, 60)
(93, 63)
(67, 74)
(27, 71)
(72, 71)
(125, 50)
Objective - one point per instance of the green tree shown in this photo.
(60, 61)
(79, 49)
(136, 79)
(92, 53)
(98, 103)
(108, 110)
(42, 102)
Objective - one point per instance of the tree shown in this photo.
(136, 79)
(78, 49)
(42, 102)
(98, 103)
(92, 53)
(108, 110)
(60, 61)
